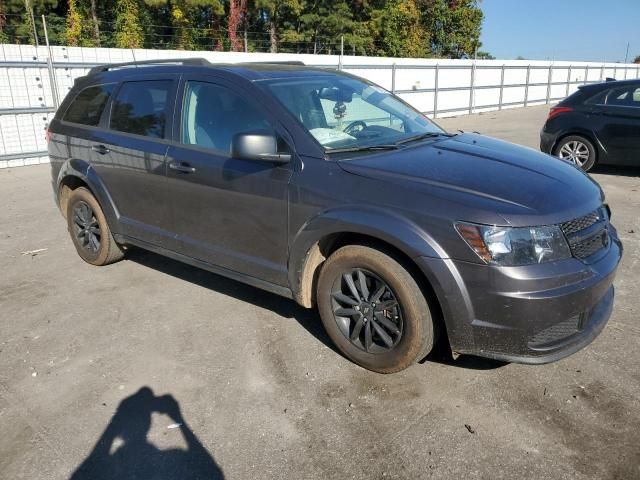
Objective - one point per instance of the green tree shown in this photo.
(16, 21)
(276, 13)
(484, 56)
(454, 26)
(637, 59)
(73, 32)
(324, 22)
(401, 29)
(128, 30)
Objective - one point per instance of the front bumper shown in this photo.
(531, 314)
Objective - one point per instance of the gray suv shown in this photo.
(322, 187)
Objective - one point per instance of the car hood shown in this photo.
(523, 186)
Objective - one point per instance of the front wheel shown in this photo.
(373, 309)
(578, 150)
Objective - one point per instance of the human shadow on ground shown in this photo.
(123, 452)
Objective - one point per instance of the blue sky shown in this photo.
(589, 30)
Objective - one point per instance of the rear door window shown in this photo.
(141, 108)
(87, 107)
(624, 97)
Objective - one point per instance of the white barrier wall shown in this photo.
(437, 87)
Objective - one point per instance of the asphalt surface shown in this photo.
(242, 384)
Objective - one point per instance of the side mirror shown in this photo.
(259, 145)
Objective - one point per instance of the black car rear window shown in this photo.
(88, 105)
(141, 108)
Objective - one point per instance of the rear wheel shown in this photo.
(89, 229)
(373, 309)
(578, 150)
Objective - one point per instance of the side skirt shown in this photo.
(240, 277)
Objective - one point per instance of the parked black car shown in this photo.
(599, 123)
(322, 187)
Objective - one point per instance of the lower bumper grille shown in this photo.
(556, 332)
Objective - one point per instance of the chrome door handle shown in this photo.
(182, 167)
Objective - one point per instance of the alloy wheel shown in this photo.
(87, 229)
(575, 151)
(367, 311)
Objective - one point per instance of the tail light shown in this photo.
(555, 111)
(47, 135)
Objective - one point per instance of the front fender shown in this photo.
(382, 224)
(84, 171)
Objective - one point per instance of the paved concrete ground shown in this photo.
(256, 385)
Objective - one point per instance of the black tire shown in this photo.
(89, 230)
(412, 332)
(575, 144)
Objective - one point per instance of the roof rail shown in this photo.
(181, 61)
(276, 62)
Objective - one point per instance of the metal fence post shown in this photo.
(549, 83)
(568, 80)
(393, 77)
(435, 92)
(638, 72)
(526, 86)
(615, 71)
(602, 72)
(586, 74)
(473, 79)
(501, 87)
(52, 73)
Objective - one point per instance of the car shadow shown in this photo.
(307, 318)
(284, 307)
(123, 452)
(467, 362)
(617, 171)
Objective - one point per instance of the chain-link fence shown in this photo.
(34, 80)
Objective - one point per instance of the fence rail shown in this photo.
(34, 80)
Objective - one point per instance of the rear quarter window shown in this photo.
(87, 107)
(141, 108)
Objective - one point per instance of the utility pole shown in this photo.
(341, 51)
(27, 6)
(626, 55)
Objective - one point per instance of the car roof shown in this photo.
(596, 87)
(251, 71)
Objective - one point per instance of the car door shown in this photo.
(620, 128)
(228, 212)
(133, 152)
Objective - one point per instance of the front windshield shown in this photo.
(344, 113)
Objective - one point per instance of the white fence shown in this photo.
(32, 86)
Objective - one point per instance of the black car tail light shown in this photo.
(555, 111)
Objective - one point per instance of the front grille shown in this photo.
(581, 223)
(556, 332)
(587, 235)
(591, 245)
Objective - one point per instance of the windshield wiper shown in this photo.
(369, 148)
(422, 136)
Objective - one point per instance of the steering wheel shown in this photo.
(355, 127)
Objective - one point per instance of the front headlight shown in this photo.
(515, 246)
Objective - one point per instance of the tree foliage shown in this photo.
(407, 28)
(637, 59)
